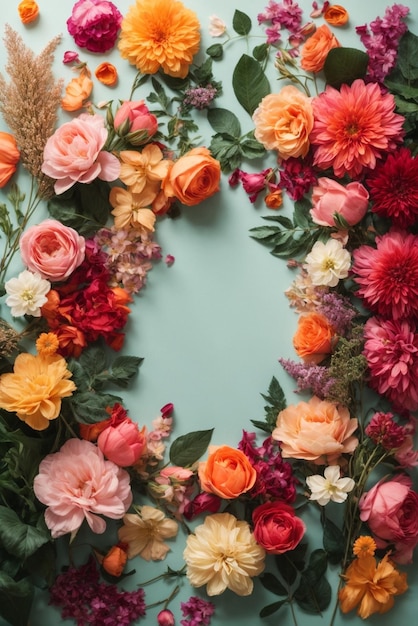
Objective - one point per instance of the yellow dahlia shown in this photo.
(160, 34)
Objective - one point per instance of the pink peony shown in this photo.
(94, 24)
(331, 200)
(74, 153)
(77, 483)
(52, 249)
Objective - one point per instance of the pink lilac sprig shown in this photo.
(200, 97)
(198, 612)
(338, 310)
(309, 376)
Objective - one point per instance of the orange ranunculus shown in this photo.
(77, 91)
(9, 157)
(28, 11)
(283, 122)
(107, 74)
(315, 50)
(194, 177)
(274, 199)
(336, 15)
(227, 473)
(115, 560)
(313, 339)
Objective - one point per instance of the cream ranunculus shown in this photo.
(327, 263)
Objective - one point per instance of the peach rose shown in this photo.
(194, 177)
(331, 199)
(283, 122)
(313, 339)
(317, 431)
(9, 157)
(336, 15)
(227, 473)
(315, 50)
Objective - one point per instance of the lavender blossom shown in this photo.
(200, 97)
(309, 376)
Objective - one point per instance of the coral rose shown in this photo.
(194, 177)
(283, 122)
(9, 157)
(52, 249)
(122, 442)
(336, 15)
(277, 528)
(313, 339)
(94, 24)
(227, 473)
(317, 431)
(331, 200)
(315, 50)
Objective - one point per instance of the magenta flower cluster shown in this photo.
(95, 24)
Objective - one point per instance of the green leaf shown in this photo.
(93, 362)
(187, 449)
(273, 584)
(241, 23)
(124, 369)
(407, 59)
(333, 541)
(18, 538)
(250, 83)
(301, 213)
(90, 407)
(272, 608)
(275, 395)
(313, 598)
(224, 122)
(252, 149)
(262, 426)
(344, 65)
(15, 600)
(260, 53)
(291, 563)
(216, 51)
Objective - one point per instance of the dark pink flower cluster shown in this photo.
(383, 430)
(197, 611)
(297, 177)
(286, 14)
(95, 24)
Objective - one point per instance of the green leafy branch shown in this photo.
(276, 402)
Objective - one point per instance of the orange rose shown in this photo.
(336, 15)
(115, 560)
(107, 74)
(315, 50)
(283, 122)
(77, 91)
(194, 177)
(227, 473)
(28, 11)
(313, 339)
(9, 157)
(274, 199)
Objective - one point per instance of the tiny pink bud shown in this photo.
(70, 57)
(165, 618)
(167, 410)
(169, 260)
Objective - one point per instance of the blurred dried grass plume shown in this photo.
(29, 103)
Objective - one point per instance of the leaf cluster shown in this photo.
(276, 402)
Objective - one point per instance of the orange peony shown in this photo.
(160, 34)
(78, 91)
(315, 50)
(35, 389)
(227, 473)
(194, 177)
(9, 157)
(107, 74)
(283, 122)
(28, 11)
(313, 339)
(336, 15)
(317, 431)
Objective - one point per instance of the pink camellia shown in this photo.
(331, 200)
(390, 509)
(134, 121)
(74, 153)
(76, 484)
(122, 442)
(94, 24)
(52, 249)
(277, 528)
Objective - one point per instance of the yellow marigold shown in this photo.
(364, 546)
(160, 34)
(35, 388)
(47, 344)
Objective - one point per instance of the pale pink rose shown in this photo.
(74, 153)
(76, 484)
(174, 473)
(52, 249)
(329, 198)
(134, 120)
(390, 509)
(123, 442)
(317, 431)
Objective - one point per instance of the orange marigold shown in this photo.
(364, 546)
(160, 34)
(47, 344)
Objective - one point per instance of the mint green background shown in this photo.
(212, 326)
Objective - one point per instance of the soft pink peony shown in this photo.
(354, 127)
(52, 249)
(74, 153)
(95, 24)
(388, 275)
(76, 484)
(331, 200)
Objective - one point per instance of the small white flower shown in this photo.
(217, 27)
(327, 263)
(27, 293)
(330, 486)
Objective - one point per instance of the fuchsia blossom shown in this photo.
(253, 183)
(95, 24)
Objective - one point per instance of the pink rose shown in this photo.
(94, 24)
(52, 250)
(390, 509)
(122, 442)
(277, 528)
(331, 199)
(134, 121)
(74, 153)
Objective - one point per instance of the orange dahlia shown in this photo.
(160, 34)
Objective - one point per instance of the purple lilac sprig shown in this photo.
(309, 376)
(197, 612)
(200, 97)
(338, 310)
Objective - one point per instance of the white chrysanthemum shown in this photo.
(27, 293)
(330, 486)
(327, 263)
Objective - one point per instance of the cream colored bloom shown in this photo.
(223, 554)
(330, 486)
(327, 263)
(145, 531)
(26, 294)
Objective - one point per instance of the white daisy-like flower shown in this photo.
(330, 486)
(327, 263)
(27, 293)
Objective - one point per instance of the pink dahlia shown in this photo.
(388, 275)
(394, 188)
(354, 127)
(391, 350)
(77, 483)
